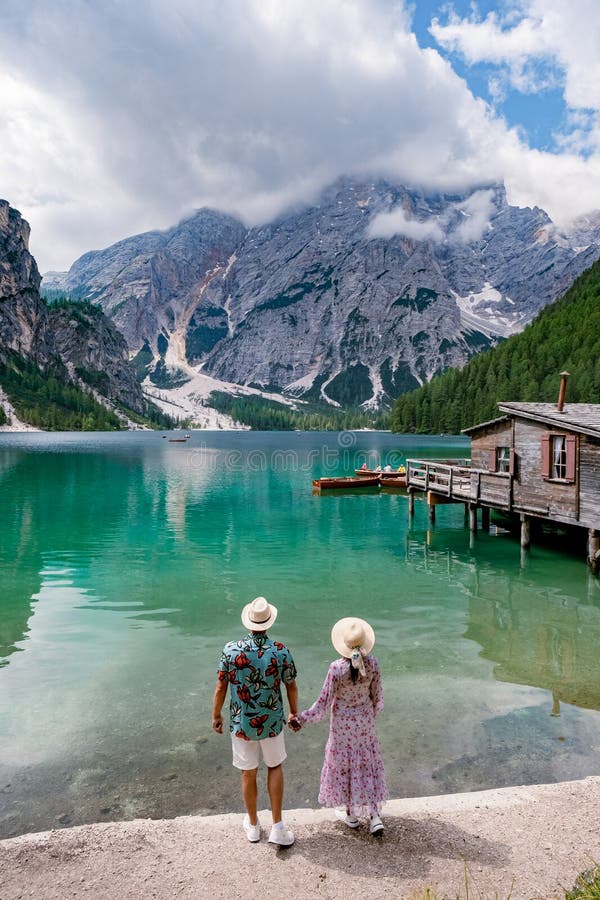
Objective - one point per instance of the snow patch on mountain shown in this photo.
(374, 402)
(490, 312)
(190, 401)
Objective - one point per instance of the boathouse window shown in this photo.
(558, 458)
(502, 459)
(559, 453)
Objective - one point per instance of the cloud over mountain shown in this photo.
(122, 117)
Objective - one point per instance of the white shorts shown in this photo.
(246, 754)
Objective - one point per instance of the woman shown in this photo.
(353, 776)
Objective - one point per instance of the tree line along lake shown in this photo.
(125, 561)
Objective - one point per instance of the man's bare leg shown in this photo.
(275, 789)
(250, 793)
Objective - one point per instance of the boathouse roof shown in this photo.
(580, 417)
(482, 425)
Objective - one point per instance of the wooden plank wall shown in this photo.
(589, 481)
(496, 436)
(530, 489)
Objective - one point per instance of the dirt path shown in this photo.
(527, 842)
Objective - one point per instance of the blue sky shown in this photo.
(539, 115)
(117, 118)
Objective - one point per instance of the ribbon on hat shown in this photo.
(357, 660)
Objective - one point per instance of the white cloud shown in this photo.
(388, 224)
(562, 33)
(116, 118)
(477, 210)
(475, 213)
(488, 39)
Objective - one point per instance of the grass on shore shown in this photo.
(587, 887)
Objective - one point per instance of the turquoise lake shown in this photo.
(125, 561)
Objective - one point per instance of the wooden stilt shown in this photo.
(524, 559)
(525, 531)
(593, 550)
(485, 517)
(472, 518)
(411, 503)
(432, 512)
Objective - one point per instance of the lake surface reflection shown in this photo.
(124, 563)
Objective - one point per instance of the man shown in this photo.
(255, 669)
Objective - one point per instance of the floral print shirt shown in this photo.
(255, 667)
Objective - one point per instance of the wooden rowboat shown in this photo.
(393, 479)
(178, 440)
(368, 473)
(326, 484)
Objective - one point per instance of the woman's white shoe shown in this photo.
(375, 825)
(350, 821)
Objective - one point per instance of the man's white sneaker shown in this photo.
(376, 825)
(350, 821)
(252, 831)
(281, 835)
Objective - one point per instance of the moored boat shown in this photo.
(398, 478)
(395, 479)
(325, 484)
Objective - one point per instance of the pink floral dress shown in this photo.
(353, 775)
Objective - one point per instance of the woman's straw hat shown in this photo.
(350, 633)
(259, 615)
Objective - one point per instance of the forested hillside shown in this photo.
(262, 414)
(524, 368)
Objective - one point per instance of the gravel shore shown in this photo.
(523, 842)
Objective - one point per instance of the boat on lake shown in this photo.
(343, 482)
(178, 440)
(395, 479)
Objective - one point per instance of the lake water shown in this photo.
(125, 561)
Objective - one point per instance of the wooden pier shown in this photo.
(536, 461)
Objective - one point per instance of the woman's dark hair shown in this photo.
(354, 673)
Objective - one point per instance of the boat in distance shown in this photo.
(326, 484)
(398, 479)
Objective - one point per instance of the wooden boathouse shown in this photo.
(535, 461)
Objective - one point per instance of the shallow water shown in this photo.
(125, 560)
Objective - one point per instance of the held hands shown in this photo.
(293, 722)
(217, 724)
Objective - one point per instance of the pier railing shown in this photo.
(458, 481)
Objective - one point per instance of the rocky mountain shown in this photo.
(354, 300)
(23, 314)
(95, 353)
(74, 342)
(150, 284)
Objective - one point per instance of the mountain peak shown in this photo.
(354, 299)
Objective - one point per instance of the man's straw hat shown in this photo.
(259, 615)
